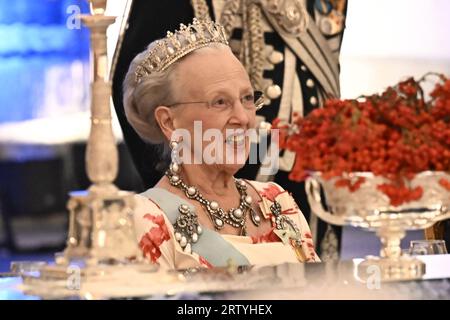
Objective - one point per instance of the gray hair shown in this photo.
(141, 99)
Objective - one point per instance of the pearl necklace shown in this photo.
(235, 217)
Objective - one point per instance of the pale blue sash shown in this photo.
(210, 245)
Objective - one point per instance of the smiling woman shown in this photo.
(198, 214)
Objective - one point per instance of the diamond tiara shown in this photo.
(178, 44)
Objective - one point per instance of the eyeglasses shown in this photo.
(252, 101)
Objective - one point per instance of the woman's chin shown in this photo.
(232, 168)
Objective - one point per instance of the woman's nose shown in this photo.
(240, 114)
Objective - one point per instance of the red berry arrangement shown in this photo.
(395, 134)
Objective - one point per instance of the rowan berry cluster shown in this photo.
(395, 134)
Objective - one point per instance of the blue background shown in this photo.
(34, 37)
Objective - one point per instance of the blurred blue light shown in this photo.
(34, 39)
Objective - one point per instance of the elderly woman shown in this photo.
(198, 214)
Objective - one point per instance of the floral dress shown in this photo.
(156, 212)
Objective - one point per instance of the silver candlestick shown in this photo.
(101, 246)
(101, 227)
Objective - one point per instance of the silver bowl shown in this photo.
(369, 208)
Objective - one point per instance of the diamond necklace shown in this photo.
(235, 217)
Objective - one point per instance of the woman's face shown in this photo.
(216, 79)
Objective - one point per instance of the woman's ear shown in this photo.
(164, 118)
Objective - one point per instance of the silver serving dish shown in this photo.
(370, 208)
